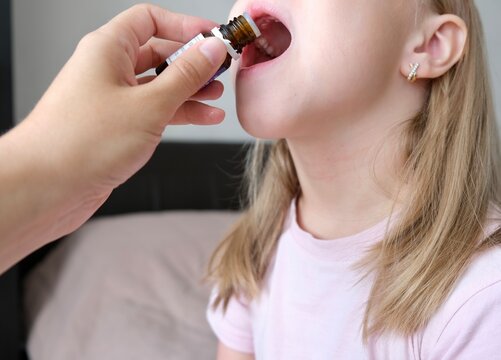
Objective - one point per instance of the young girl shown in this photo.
(371, 227)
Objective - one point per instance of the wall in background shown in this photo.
(46, 32)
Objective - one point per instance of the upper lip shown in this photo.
(259, 9)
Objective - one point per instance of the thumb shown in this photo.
(190, 72)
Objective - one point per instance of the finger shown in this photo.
(154, 52)
(197, 113)
(139, 23)
(188, 74)
(213, 91)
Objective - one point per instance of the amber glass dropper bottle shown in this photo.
(237, 34)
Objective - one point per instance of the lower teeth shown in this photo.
(265, 47)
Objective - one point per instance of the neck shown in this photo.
(350, 176)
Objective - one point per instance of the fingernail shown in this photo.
(211, 48)
(216, 115)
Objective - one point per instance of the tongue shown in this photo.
(277, 36)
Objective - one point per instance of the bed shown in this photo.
(129, 284)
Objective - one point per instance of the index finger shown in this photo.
(141, 22)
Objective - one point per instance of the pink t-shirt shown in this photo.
(312, 305)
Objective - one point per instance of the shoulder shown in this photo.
(469, 321)
(483, 271)
(232, 326)
(482, 277)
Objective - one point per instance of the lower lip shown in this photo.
(258, 67)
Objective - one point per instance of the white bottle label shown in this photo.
(199, 38)
(185, 47)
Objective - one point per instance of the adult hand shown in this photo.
(98, 123)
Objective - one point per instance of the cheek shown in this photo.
(273, 112)
(352, 69)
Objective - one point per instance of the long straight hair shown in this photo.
(452, 155)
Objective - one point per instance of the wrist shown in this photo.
(62, 174)
(35, 201)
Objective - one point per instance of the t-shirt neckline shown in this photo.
(345, 249)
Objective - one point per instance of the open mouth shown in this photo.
(275, 39)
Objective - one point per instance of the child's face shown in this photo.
(341, 57)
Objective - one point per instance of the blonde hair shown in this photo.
(452, 163)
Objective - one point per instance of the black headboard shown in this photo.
(6, 118)
(183, 176)
(9, 333)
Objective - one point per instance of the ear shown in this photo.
(437, 46)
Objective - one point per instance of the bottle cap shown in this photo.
(230, 48)
(252, 23)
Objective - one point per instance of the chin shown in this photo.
(264, 120)
(261, 126)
